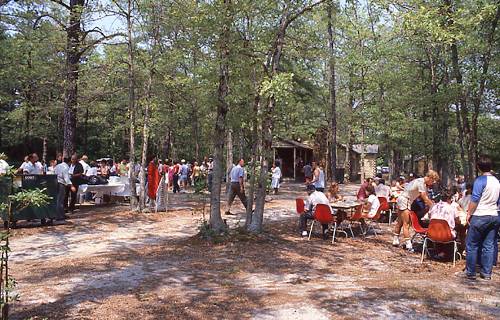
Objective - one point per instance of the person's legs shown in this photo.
(473, 245)
(488, 247)
(243, 197)
(233, 191)
(303, 220)
(72, 203)
(61, 195)
(397, 228)
(176, 183)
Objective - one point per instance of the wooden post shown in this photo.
(294, 163)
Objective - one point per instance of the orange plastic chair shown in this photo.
(439, 232)
(419, 230)
(324, 215)
(300, 205)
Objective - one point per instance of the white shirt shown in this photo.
(444, 211)
(413, 189)
(4, 166)
(276, 173)
(382, 190)
(62, 171)
(316, 198)
(486, 193)
(91, 172)
(85, 166)
(374, 207)
(32, 168)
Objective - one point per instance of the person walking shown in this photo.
(275, 177)
(482, 216)
(63, 183)
(237, 187)
(175, 172)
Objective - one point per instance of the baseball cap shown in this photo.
(310, 187)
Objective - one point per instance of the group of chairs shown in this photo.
(324, 215)
(438, 231)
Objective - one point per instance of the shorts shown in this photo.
(403, 204)
(183, 178)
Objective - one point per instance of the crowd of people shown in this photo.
(470, 210)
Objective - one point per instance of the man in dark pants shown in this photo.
(237, 187)
(63, 183)
(76, 171)
(176, 169)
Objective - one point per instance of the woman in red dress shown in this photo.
(153, 179)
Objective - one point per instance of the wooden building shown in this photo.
(292, 155)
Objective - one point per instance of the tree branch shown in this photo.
(62, 3)
(47, 15)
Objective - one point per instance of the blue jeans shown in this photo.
(480, 244)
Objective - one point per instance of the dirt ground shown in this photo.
(109, 263)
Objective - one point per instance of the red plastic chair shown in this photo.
(419, 230)
(324, 215)
(356, 218)
(384, 204)
(372, 222)
(439, 232)
(300, 205)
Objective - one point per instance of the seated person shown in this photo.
(381, 190)
(372, 204)
(333, 193)
(418, 206)
(446, 211)
(464, 202)
(315, 197)
(361, 195)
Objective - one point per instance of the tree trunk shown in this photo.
(73, 54)
(216, 222)
(131, 105)
(255, 157)
(229, 158)
(332, 91)
(473, 148)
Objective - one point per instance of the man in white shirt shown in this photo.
(413, 190)
(63, 182)
(4, 166)
(84, 162)
(482, 215)
(315, 197)
(33, 166)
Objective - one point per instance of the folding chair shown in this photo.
(419, 230)
(372, 222)
(324, 215)
(384, 205)
(300, 206)
(439, 232)
(356, 217)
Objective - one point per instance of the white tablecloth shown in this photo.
(114, 189)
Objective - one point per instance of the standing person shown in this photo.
(84, 162)
(416, 188)
(308, 173)
(276, 176)
(153, 180)
(175, 172)
(482, 215)
(210, 170)
(237, 187)
(195, 177)
(52, 167)
(184, 171)
(33, 166)
(63, 183)
(123, 168)
(77, 179)
(4, 166)
(318, 180)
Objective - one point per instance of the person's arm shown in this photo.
(242, 180)
(477, 192)
(425, 198)
(315, 175)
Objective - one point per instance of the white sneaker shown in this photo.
(395, 241)
(304, 233)
(409, 246)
